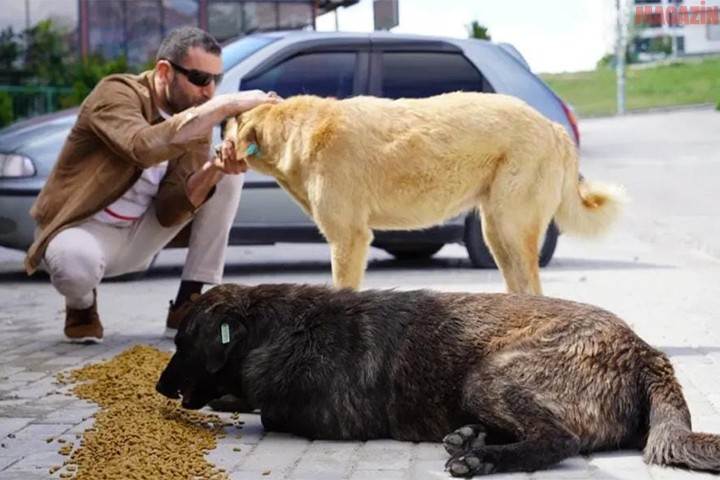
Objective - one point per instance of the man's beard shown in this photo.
(178, 100)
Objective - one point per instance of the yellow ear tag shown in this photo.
(225, 333)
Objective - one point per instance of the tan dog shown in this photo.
(367, 163)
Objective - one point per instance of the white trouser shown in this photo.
(78, 258)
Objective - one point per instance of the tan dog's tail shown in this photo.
(586, 209)
(671, 440)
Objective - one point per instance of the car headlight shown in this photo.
(13, 165)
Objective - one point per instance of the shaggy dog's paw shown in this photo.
(464, 439)
(469, 464)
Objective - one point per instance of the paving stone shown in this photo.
(8, 426)
(326, 460)
(385, 454)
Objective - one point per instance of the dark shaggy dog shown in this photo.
(507, 382)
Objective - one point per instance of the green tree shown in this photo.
(41, 56)
(607, 61)
(9, 49)
(47, 54)
(476, 30)
(6, 109)
(86, 75)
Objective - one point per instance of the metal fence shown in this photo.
(29, 101)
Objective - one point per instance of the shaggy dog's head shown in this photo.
(213, 328)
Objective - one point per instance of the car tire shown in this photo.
(480, 255)
(409, 252)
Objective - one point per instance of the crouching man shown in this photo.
(135, 169)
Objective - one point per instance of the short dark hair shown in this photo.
(176, 45)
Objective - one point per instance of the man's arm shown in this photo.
(201, 119)
(225, 161)
(115, 114)
(184, 190)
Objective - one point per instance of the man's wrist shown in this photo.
(212, 166)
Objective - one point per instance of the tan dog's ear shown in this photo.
(246, 141)
(228, 128)
(234, 129)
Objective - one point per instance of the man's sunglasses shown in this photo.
(197, 77)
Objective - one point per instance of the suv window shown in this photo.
(326, 74)
(424, 74)
(234, 53)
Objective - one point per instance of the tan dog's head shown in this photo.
(247, 131)
(262, 133)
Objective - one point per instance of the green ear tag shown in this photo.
(252, 150)
(225, 333)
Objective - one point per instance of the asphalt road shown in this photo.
(659, 270)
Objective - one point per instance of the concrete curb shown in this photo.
(664, 109)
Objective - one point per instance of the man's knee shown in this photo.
(74, 269)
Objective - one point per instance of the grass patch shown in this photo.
(680, 83)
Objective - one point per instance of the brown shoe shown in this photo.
(176, 314)
(83, 325)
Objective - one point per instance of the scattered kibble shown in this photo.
(266, 472)
(66, 449)
(138, 432)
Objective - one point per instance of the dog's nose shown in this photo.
(166, 390)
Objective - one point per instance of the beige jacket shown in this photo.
(119, 131)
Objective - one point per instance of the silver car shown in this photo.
(326, 64)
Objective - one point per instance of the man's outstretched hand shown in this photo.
(226, 160)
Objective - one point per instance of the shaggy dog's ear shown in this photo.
(224, 333)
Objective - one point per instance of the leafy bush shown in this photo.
(41, 56)
(6, 109)
(86, 75)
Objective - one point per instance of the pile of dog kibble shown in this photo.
(138, 434)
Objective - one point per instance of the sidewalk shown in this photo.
(672, 303)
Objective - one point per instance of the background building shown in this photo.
(694, 39)
(134, 28)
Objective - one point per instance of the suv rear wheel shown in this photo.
(480, 255)
(413, 251)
